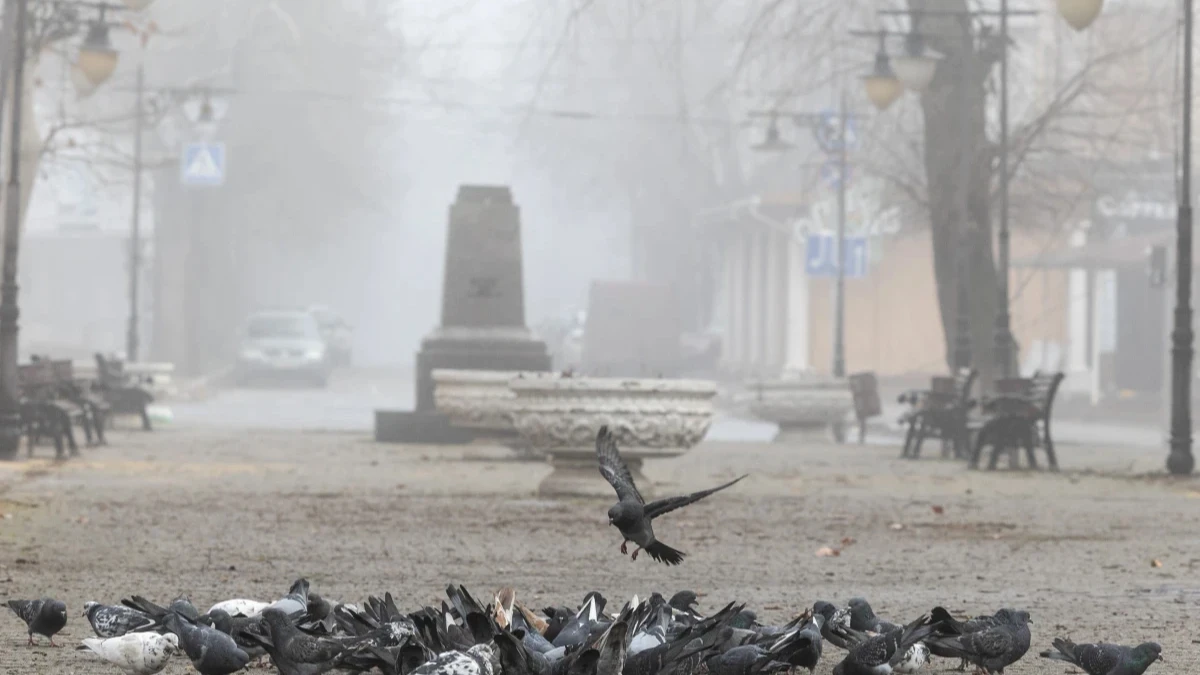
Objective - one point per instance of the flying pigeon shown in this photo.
(239, 607)
(995, 648)
(882, 654)
(631, 514)
(135, 653)
(211, 651)
(1105, 659)
(43, 617)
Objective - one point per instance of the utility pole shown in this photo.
(1181, 462)
(10, 402)
(1004, 338)
(839, 299)
(132, 342)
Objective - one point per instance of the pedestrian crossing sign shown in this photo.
(203, 164)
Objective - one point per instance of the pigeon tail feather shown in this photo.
(665, 554)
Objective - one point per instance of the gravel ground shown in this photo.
(1107, 553)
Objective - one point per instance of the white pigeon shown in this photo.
(241, 607)
(136, 653)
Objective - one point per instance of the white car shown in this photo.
(283, 344)
(336, 333)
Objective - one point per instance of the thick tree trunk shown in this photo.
(31, 147)
(958, 175)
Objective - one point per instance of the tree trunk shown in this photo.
(31, 147)
(958, 175)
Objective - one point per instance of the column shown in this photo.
(797, 308)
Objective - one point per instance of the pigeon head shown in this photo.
(683, 600)
(220, 620)
(824, 609)
(172, 641)
(625, 515)
(744, 619)
(1014, 617)
(1147, 652)
(55, 608)
(87, 607)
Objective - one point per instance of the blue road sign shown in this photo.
(820, 257)
(203, 164)
(828, 132)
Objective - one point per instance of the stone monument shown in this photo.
(483, 312)
(633, 330)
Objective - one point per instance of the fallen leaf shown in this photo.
(826, 552)
(939, 509)
(897, 526)
(848, 541)
(1156, 563)
(82, 520)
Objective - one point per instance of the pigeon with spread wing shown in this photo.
(631, 514)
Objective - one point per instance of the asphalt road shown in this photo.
(349, 402)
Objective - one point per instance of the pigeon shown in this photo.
(683, 606)
(143, 653)
(953, 626)
(505, 598)
(110, 621)
(881, 654)
(239, 607)
(293, 652)
(862, 618)
(295, 601)
(631, 514)
(1106, 659)
(992, 649)
(475, 661)
(237, 628)
(801, 645)
(613, 650)
(43, 617)
(834, 618)
(182, 606)
(745, 660)
(211, 651)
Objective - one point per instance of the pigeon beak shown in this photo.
(1160, 658)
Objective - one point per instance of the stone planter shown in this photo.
(650, 419)
(804, 409)
(481, 401)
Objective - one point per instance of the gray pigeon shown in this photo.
(881, 654)
(237, 628)
(43, 617)
(631, 514)
(211, 651)
(862, 617)
(295, 601)
(745, 660)
(1106, 659)
(834, 618)
(991, 649)
(182, 606)
(294, 652)
(952, 626)
(109, 621)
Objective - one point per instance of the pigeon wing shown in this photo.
(1101, 658)
(315, 650)
(660, 507)
(26, 609)
(613, 468)
(990, 643)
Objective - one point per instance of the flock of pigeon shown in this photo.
(305, 634)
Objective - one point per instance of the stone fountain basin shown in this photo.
(801, 407)
(650, 418)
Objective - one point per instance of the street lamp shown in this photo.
(1080, 13)
(1180, 461)
(97, 58)
(914, 68)
(773, 142)
(882, 85)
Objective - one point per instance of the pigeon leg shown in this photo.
(31, 639)
(624, 550)
(52, 642)
(634, 557)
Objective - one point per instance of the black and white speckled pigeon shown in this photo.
(475, 661)
(211, 651)
(109, 621)
(135, 653)
(992, 649)
(1106, 659)
(43, 617)
(631, 514)
(881, 654)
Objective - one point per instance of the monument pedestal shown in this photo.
(483, 312)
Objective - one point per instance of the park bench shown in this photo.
(123, 393)
(1019, 416)
(865, 389)
(52, 402)
(940, 412)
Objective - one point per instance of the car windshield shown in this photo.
(281, 327)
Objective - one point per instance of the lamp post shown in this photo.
(833, 141)
(132, 342)
(10, 402)
(1180, 461)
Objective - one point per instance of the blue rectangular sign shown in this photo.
(820, 256)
